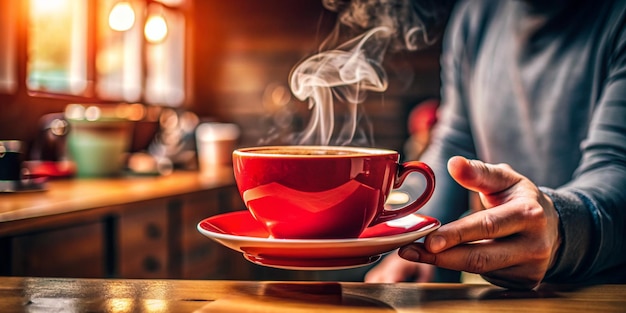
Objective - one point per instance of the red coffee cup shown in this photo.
(322, 192)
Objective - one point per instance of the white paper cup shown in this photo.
(215, 143)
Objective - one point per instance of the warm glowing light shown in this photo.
(119, 305)
(154, 305)
(133, 112)
(122, 17)
(93, 113)
(156, 29)
(75, 111)
(48, 6)
(398, 197)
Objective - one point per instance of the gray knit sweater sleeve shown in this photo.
(549, 100)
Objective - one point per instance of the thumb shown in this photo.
(481, 177)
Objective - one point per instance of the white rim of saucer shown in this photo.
(321, 242)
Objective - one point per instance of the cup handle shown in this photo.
(404, 170)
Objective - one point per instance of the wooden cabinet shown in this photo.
(200, 257)
(143, 240)
(75, 250)
(115, 232)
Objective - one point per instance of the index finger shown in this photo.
(501, 221)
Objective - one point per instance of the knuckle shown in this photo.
(534, 214)
(477, 262)
(480, 262)
(458, 236)
(504, 166)
(489, 226)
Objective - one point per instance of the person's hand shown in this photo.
(512, 243)
(393, 269)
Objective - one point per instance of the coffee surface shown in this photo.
(300, 151)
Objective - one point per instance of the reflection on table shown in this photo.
(19, 294)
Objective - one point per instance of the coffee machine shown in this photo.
(10, 165)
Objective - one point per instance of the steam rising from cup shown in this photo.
(345, 69)
(346, 73)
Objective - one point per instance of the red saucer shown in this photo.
(241, 232)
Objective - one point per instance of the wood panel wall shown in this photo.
(237, 49)
(242, 48)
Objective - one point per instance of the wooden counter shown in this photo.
(136, 227)
(74, 195)
(68, 195)
(116, 295)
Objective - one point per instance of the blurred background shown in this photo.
(222, 60)
(165, 67)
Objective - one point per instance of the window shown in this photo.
(8, 69)
(119, 64)
(164, 78)
(57, 46)
(101, 50)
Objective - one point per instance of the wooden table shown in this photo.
(20, 294)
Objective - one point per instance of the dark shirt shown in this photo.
(543, 89)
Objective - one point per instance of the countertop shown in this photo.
(74, 195)
(25, 294)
